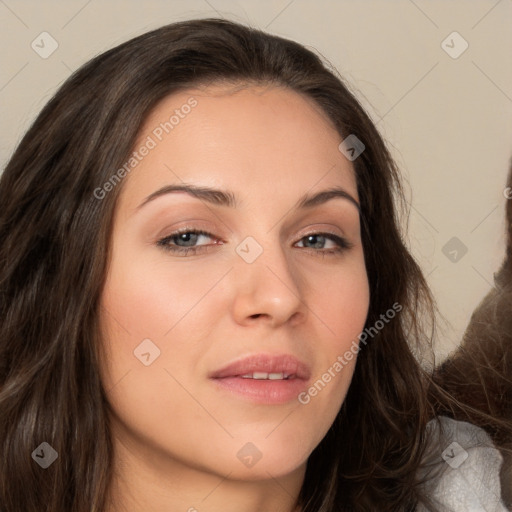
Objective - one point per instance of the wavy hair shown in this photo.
(55, 239)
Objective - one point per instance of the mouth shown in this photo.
(263, 378)
(267, 376)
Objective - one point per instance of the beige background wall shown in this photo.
(448, 120)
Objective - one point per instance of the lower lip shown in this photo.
(263, 391)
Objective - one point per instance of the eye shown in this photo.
(341, 244)
(189, 237)
(185, 236)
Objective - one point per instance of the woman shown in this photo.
(250, 371)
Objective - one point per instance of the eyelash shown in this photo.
(343, 243)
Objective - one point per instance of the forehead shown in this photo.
(253, 137)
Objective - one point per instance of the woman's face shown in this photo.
(266, 294)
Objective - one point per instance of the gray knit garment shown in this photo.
(466, 465)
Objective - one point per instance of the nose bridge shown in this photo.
(265, 282)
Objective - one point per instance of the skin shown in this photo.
(176, 435)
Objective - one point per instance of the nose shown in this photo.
(268, 289)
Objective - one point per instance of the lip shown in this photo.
(229, 378)
(268, 363)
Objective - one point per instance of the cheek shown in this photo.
(342, 303)
(143, 300)
(150, 297)
(343, 310)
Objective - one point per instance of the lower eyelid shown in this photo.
(341, 243)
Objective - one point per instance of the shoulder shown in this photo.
(463, 466)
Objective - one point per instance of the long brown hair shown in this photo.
(54, 246)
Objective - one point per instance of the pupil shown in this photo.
(185, 237)
(312, 237)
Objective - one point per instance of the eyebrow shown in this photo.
(227, 198)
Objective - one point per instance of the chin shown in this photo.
(274, 457)
(246, 461)
(264, 470)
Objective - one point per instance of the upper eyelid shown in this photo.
(204, 232)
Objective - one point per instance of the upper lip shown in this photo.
(268, 363)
